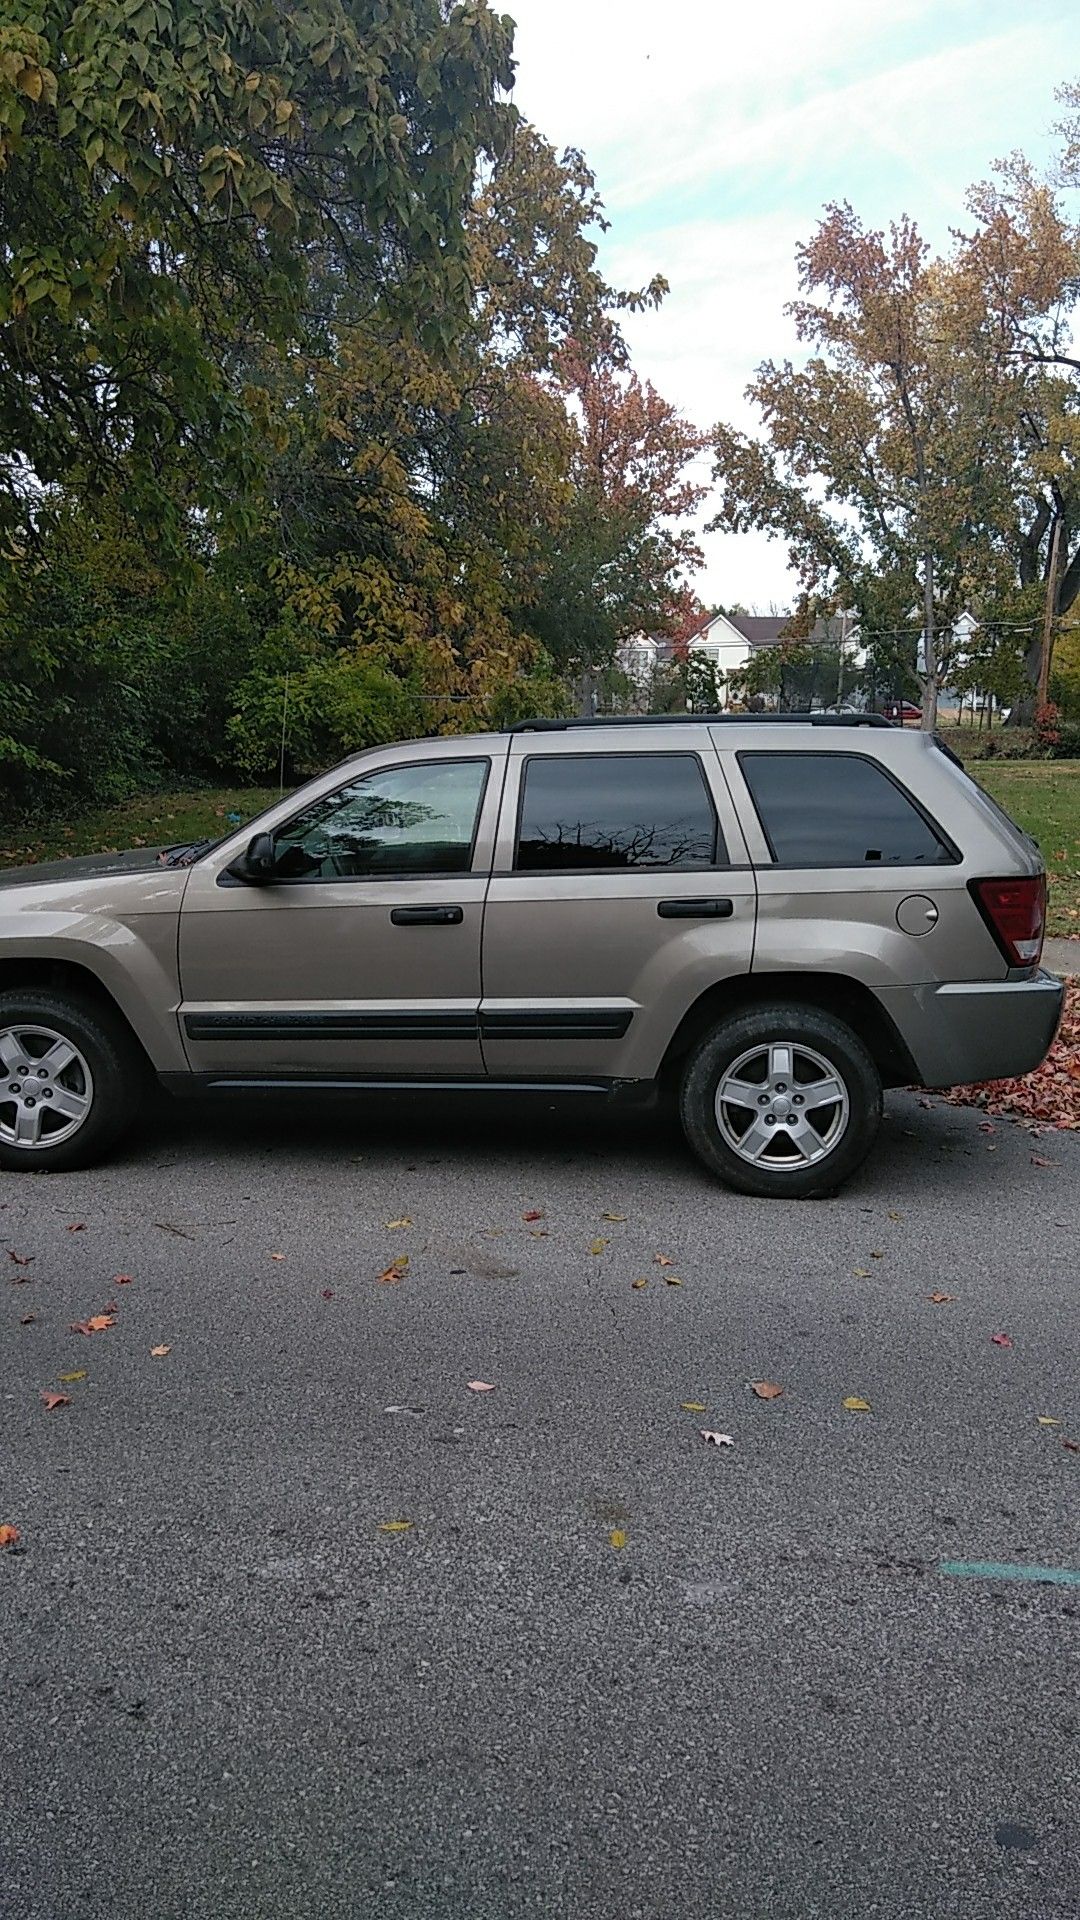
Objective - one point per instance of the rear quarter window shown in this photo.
(839, 810)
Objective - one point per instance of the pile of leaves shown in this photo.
(1049, 1097)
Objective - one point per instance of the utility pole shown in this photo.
(1048, 618)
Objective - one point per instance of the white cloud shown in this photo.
(717, 133)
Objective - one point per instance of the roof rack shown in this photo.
(705, 719)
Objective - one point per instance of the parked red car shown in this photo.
(902, 710)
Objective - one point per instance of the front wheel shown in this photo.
(781, 1101)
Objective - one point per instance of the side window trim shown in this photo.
(945, 840)
(561, 759)
(409, 873)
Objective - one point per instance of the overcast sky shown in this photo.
(718, 132)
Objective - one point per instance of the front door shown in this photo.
(622, 892)
(365, 962)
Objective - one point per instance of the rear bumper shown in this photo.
(976, 1030)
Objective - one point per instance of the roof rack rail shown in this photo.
(705, 719)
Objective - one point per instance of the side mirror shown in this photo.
(258, 863)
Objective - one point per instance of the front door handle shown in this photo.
(695, 909)
(427, 916)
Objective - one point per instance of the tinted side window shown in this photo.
(418, 819)
(607, 811)
(837, 810)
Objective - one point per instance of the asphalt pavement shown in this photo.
(608, 1670)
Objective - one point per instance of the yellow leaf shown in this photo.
(31, 81)
(638, 1284)
(598, 1246)
(855, 1405)
(393, 1225)
(671, 1281)
(894, 1216)
(692, 1406)
(617, 1538)
(613, 1216)
(394, 1526)
(67, 1378)
(1044, 1419)
(862, 1273)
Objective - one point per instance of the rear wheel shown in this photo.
(781, 1101)
(70, 1081)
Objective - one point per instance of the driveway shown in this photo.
(608, 1671)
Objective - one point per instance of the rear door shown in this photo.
(621, 889)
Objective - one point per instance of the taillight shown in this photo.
(1015, 912)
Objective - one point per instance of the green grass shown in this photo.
(153, 820)
(1044, 796)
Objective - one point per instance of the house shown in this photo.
(728, 642)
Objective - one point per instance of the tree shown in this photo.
(178, 179)
(881, 457)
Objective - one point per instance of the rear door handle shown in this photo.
(427, 916)
(695, 909)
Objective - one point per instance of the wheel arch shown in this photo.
(50, 975)
(845, 998)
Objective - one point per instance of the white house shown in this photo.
(729, 641)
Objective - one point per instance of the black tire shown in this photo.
(117, 1070)
(825, 1037)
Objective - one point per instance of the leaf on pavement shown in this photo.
(9, 1536)
(158, 1353)
(394, 1526)
(661, 1260)
(1000, 1340)
(538, 1233)
(894, 1216)
(77, 1226)
(638, 1284)
(54, 1400)
(670, 1280)
(416, 1412)
(862, 1273)
(124, 1279)
(328, 1293)
(878, 1255)
(1072, 1445)
(96, 1324)
(23, 1259)
(394, 1225)
(111, 1307)
(692, 1406)
(765, 1389)
(480, 1386)
(617, 1538)
(277, 1256)
(1047, 1420)
(940, 1299)
(534, 1213)
(716, 1439)
(597, 1246)
(1040, 1160)
(392, 1274)
(28, 1319)
(613, 1216)
(856, 1404)
(67, 1378)
(987, 1126)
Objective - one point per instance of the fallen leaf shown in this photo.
(987, 1126)
(617, 1538)
(538, 1233)
(277, 1256)
(328, 1293)
(598, 1246)
(671, 1281)
(67, 1378)
(415, 1411)
(534, 1213)
(662, 1260)
(28, 1319)
(124, 1279)
(613, 1216)
(1047, 1420)
(54, 1400)
(393, 1225)
(391, 1274)
(111, 1307)
(1073, 1445)
(854, 1404)
(716, 1439)
(877, 1256)
(96, 1324)
(9, 1536)
(1000, 1340)
(1040, 1160)
(77, 1226)
(480, 1386)
(894, 1216)
(862, 1273)
(692, 1406)
(638, 1284)
(158, 1353)
(394, 1526)
(765, 1389)
(23, 1259)
(939, 1299)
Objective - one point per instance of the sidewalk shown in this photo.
(1062, 956)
